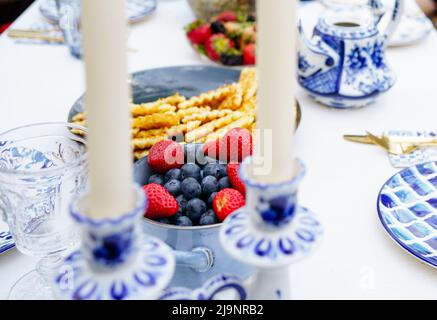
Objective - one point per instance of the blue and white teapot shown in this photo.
(344, 64)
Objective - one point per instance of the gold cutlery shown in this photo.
(398, 146)
(35, 35)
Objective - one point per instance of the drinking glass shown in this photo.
(42, 167)
(69, 23)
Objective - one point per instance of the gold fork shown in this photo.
(399, 148)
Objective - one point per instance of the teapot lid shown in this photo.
(347, 23)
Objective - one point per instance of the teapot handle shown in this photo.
(395, 18)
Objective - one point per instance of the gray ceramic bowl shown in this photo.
(199, 255)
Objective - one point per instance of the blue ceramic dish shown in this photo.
(137, 10)
(407, 208)
(6, 241)
(150, 85)
(199, 254)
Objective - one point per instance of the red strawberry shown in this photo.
(211, 148)
(166, 155)
(232, 171)
(249, 54)
(239, 144)
(160, 203)
(199, 34)
(233, 147)
(227, 16)
(216, 45)
(226, 202)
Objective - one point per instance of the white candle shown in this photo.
(104, 27)
(276, 64)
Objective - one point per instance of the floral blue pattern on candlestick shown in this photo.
(272, 230)
(115, 262)
(344, 65)
(270, 249)
(209, 291)
(407, 207)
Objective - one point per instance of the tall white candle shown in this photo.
(276, 64)
(104, 27)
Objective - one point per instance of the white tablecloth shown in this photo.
(357, 259)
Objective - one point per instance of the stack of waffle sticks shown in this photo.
(192, 120)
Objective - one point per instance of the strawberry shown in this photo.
(216, 45)
(199, 34)
(166, 155)
(160, 203)
(211, 149)
(226, 202)
(232, 170)
(233, 147)
(249, 54)
(239, 144)
(227, 16)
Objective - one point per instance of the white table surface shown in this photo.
(357, 259)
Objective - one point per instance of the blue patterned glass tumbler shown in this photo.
(69, 22)
(42, 167)
(270, 232)
(116, 261)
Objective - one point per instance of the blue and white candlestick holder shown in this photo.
(116, 261)
(269, 233)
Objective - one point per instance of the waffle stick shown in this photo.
(206, 116)
(211, 98)
(192, 111)
(212, 126)
(234, 100)
(244, 122)
(248, 83)
(156, 121)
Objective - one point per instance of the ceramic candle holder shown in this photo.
(269, 233)
(115, 261)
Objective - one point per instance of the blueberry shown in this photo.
(206, 220)
(184, 221)
(174, 187)
(195, 209)
(172, 174)
(173, 219)
(223, 172)
(209, 185)
(164, 220)
(217, 27)
(231, 59)
(182, 203)
(212, 169)
(211, 199)
(156, 178)
(210, 212)
(191, 188)
(190, 170)
(224, 183)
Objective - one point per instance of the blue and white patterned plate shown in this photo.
(407, 208)
(136, 9)
(6, 241)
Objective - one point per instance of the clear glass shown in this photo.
(69, 21)
(42, 168)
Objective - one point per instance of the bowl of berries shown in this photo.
(191, 189)
(228, 38)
